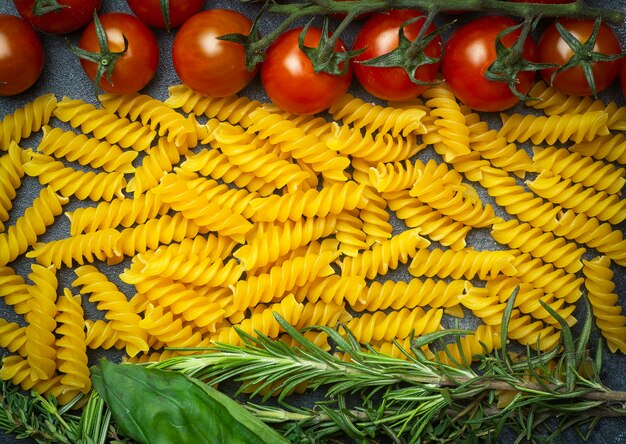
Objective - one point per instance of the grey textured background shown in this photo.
(63, 76)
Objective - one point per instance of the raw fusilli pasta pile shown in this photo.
(221, 212)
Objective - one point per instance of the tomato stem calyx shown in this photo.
(583, 54)
(42, 7)
(252, 43)
(165, 10)
(105, 59)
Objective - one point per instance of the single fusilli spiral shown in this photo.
(32, 224)
(384, 256)
(556, 250)
(527, 331)
(117, 309)
(333, 288)
(152, 113)
(519, 202)
(611, 148)
(267, 246)
(170, 330)
(332, 199)
(118, 212)
(547, 277)
(564, 192)
(24, 121)
(322, 313)
(432, 223)
(561, 128)
(13, 337)
(11, 173)
(361, 115)
(395, 176)
(70, 182)
(78, 249)
(375, 216)
(411, 294)
(40, 346)
(71, 346)
(598, 175)
(159, 161)
(14, 291)
(299, 144)
(198, 271)
(350, 234)
(382, 147)
(86, 151)
(281, 279)
(464, 263)
(484, 305)
(397, 324)
(604, 302)
(104, 124)
(485, 340)
(100, 334)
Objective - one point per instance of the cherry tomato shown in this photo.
(21, 55)
(137, 66)
(73, 15)
(553, 49)
(469, 53)
(623, 78)
(149, 11)
(378, 36)
(289, 79)
(206, 64)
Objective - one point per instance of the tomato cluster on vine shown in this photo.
(218, 67)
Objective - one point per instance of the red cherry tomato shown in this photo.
(206, 64)
(73, 15)
(378, 36)
(133, 70)
(21, 55)
(289, 79)
(623, 78)
(149, 11)
(469, 53)
(553, 49)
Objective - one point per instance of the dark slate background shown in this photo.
(63, 75)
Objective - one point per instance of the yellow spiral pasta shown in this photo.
(332, 199)
(215, 164)
(517, 201)
(281, 279)
(104, 124)
(13, 337)
(611, 148)
(170, 330)
(24, 121)
(414, 293)
(33, 223)
(233, 109)
(71, 345)
(300, 145)
(397, 324)
(100, 335)
(451, 136)
(384, 256)
(242, 150)
(538, 243)
(361, 115)
(152, 113)
(11, 173)
(484, 305)
(395, 176)
(333, 288)
(527, 331)
(121, 314)
(263, 322)
(561, 128)
(196, 207)
(547, 277)
(159, 161)
(70, 182)
(154, 232)
(350, 234)
(590, 231)
(86, 151)
(381, 147)
(564, 192)
(78, 249)
(483, 341)
(604, 302)
(375, 218)
(268, 245)
(464, 263)
(452, 200)
(551, 101)
(118, 212)
(322, 313)
(579, 169)
(40, 345)
(495, 148)
(14, 291)
(431, 222)
(197, 271)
